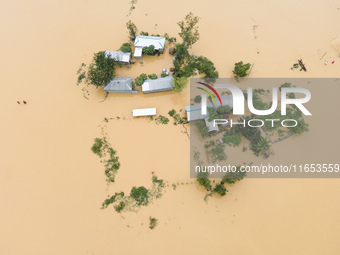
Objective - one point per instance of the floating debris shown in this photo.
(326, 62)
(302, 65)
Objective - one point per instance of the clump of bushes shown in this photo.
(177, 118)
(162, 120)
(153, 222)
(149, 50)
(220, 189)
(132, 30)
(140, 194)
(204, 130)
(153, 76)
(140, 80)
(126, 47)
(232, 138)
(163, 75)
(112, 199)
(104, 150)
(203, 180)
(198, 99)
(240, 69)
(232, 177)
(217, 153)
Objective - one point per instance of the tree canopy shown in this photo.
(189, 29)
(101, 70)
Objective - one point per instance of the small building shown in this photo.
(194, 112)
(138, 53)
(157, 85)
(210, 125)
(142, 41)
(119, 56)
(120, 85)
(144, 112)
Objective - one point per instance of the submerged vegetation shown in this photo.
(153, 222)
(132, 28)
(140, 79)
(162, 120)
(187, 65)
(126, 47)
(103, 149)
(139, 196)
(100, 71)
(240, 69)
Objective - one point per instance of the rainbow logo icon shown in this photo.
(209, 93)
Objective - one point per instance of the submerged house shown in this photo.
(119, 56)
(144, 112)
(194, 112)
(142, 41)
(120, 85)
(210, 125)
(157, 85)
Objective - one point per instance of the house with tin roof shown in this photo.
(120, 85)
(142, 41)
(121, 57)
(157, 85)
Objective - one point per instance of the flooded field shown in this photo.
(52, 185)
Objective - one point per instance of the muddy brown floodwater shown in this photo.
(52, 185)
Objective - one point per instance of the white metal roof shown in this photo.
(157, 85)
(120, 56)
(138, 52)
(143, 112)
(145, 41)
(210, 125)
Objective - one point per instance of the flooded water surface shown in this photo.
(52, 185)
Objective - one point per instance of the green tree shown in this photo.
(203, 180)
(132, 30)
(179, 83)
(240, 69)
(153, 76)
(140, 194)
(150, 50)
(204, 66)
(232, 177)
(220, 189)
(198, 99)
(261, 146)
(225, 109)
(126, 47)
(97, 147)
(230, 138)
(153, 222)
(189, 29)
(101, 70)
(204, 130)
(213, 114)
(140, 79)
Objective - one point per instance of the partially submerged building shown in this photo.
(121, 57)
(157, 85)
(194, 112)
(210, 125)
(142, 41)
(144, 112)
(120, 85)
